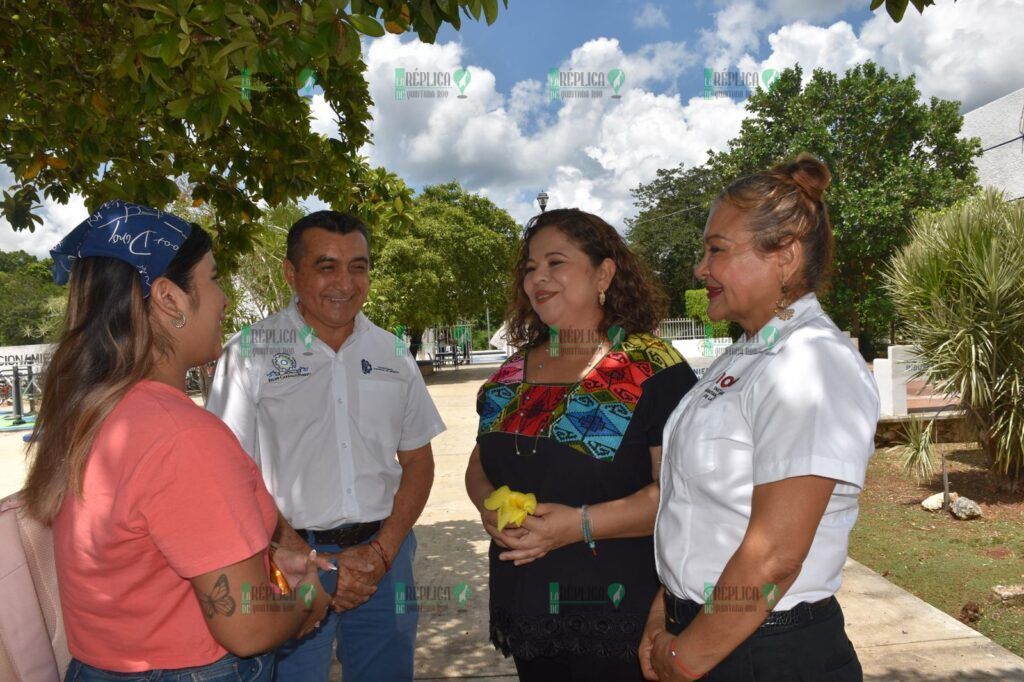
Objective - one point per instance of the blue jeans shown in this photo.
(230, 668)
(376, 641)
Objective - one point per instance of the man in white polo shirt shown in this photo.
(336, 415)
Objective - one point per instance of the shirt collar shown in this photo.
(360, 326)
(803, 308)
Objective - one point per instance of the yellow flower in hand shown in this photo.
(512, 506)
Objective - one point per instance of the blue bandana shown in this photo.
(143, 237)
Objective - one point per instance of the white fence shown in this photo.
(681, 328)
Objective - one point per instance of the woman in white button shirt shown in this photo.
(765, 457)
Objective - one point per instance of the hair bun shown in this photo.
(807, 173)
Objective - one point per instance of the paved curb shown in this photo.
(900, 637)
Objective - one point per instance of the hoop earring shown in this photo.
(178, 324)
(600, 299)
(782, 309)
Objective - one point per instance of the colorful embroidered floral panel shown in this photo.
(591, 416)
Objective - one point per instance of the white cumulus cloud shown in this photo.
(967, 51)
(956, 50)
(584, 152)
(58, 219)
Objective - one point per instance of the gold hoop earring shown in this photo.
(178, 324)
(600, 299)
(782, 309)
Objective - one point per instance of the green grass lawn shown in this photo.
(942, 560)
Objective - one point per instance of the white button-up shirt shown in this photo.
(324, 427)
(796, 401)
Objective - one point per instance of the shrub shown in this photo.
(918, 450)
(697, 307)
(958, 287)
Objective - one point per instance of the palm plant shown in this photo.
(48, 326)
(918, 450)
(959, 288)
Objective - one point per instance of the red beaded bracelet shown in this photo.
(679, 664)
(383, 555)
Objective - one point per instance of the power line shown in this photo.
(997, 146)
(659, 217)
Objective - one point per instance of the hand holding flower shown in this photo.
(512, 507)
(490, 521)
(551, 526)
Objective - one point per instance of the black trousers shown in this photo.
(818, 651)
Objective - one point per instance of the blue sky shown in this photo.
(531, 36)
(508, 140)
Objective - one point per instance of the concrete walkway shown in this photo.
(898, 637)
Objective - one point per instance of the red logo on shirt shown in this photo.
(717, 389)
(725, 381)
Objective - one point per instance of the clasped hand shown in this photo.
(298, 569)
(656, 661)
(359, 570)
(549, 527)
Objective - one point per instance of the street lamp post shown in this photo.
(542, 199)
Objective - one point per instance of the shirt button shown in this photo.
(344, 445)
(340, 401)
(348, 490)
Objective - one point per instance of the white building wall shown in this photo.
(1000, 125)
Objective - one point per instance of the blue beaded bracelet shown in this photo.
(588, 536)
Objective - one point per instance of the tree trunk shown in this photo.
(945, 485)
(205, 379)
(988, 445)
(415, 342)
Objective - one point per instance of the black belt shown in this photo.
(682, 611)
(349, 534)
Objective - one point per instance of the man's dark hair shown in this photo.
(332, 221)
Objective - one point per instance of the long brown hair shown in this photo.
(633, 301)
(107, 345)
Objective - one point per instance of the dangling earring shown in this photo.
(600, 299)
(782, 309)
(178, 324)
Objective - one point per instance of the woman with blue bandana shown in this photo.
(161, 522)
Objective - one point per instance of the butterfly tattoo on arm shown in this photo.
(219, 601)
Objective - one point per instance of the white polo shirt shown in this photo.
(324, 427)
(798, 400)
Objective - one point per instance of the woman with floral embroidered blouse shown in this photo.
(575, 418)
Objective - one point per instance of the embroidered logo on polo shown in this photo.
(286, 366)
(718, 388)
(593, 418)
(367, 367)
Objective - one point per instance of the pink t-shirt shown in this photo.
(169, 494)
